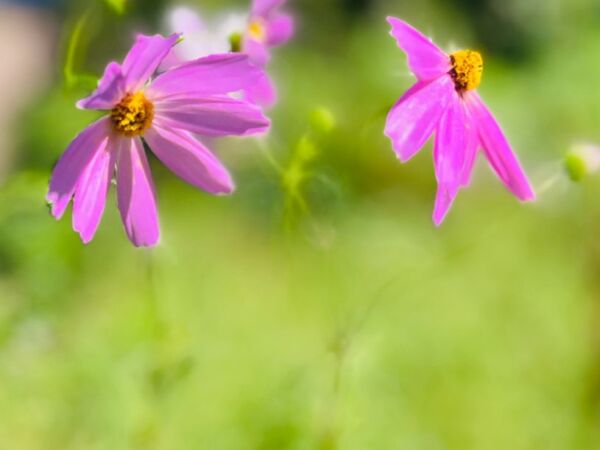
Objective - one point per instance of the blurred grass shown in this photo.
(444, 339)
(359, 327)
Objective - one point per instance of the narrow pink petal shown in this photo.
(135, 194)
(451, 143)
(189, 160)
(453, 136)
(211, 116)
(412, 120)
(280, 29)
(498, 150)
(262, 93)
(444, 199)
(144, 58)
(425, 59)
(91, 192)
(472, 149)
(172, 60)
(212, 75)
(265, 7)
(74, 162)
(111, 89)
(257, 51)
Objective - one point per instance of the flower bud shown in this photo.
(322, 120)
(582, 160)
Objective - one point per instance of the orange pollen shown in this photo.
(467, 69)
(133, 115)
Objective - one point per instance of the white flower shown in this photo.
(200, 39)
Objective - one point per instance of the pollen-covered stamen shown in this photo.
(467, 69)
(133, 115)
(257, 30)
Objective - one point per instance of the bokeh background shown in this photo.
(318, 307)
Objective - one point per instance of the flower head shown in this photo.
(583, 159)
(444, 101)
(162, 113)
(267, 27)
(253, 33)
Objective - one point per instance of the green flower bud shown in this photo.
(582, 160)
(322, 120)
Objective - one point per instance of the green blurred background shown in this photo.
(318, 307)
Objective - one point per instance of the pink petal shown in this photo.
(425, 59)
(444, 198)
(257, 51)
(171, 61)
(265, 7)
(215, 74)
(453, 142)
(262, 93)
(74, 162)
(413, 118)
(280, 29)
(471, 152)
(135, 194)
(189, 160)
(190, 24)
(111, 89)
(498, 150)
(91, 192)
(144, 58)
(211, 116)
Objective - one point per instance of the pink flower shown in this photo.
(266, 26)
(191, 98)
(444, 100)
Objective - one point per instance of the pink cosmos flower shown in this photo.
(266, 26)
(191, 98)
(444, 101)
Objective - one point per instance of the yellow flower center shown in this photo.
(256, 30)
(467, 69)
(133, 115)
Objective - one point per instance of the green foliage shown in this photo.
(75, 47)
(318, 308)
(118, 6)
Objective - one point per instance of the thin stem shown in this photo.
(156, 326)
(266, 153)
(148, 436)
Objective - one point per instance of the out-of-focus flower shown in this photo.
(582, 160)
(267, 27)
(444, 101)
(200, 38)
(191, 98)
(255, 34)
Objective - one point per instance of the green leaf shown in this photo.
(118, 6)
(73, 45)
